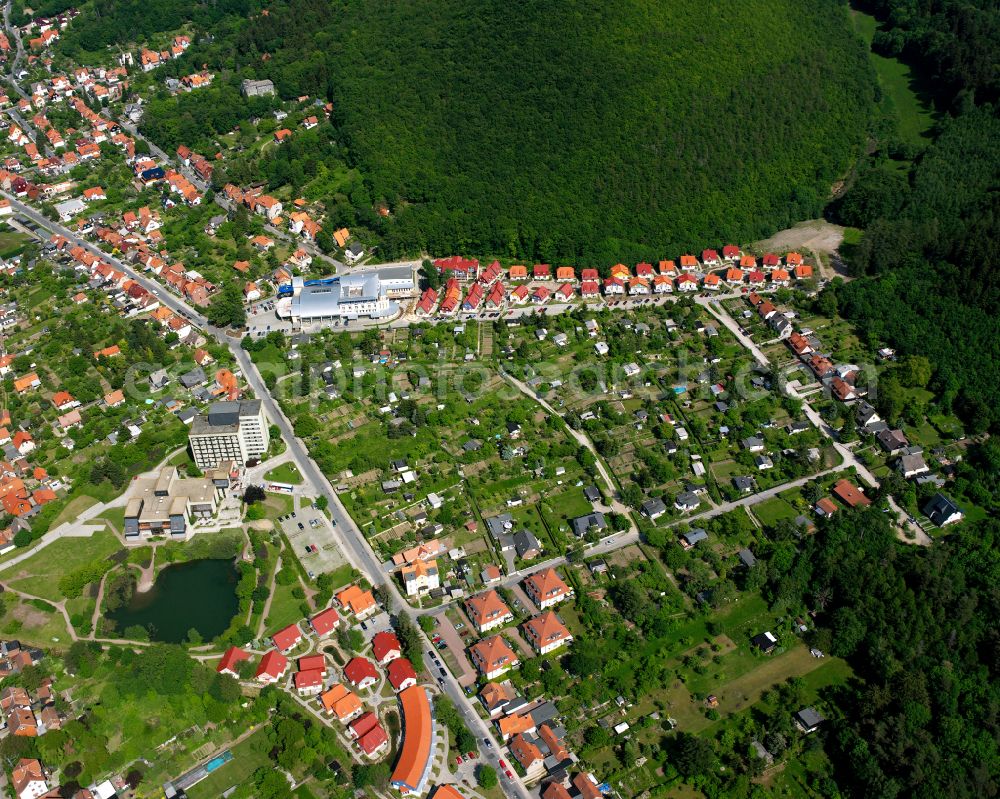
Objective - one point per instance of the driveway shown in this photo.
(523, 598)
(456, 645)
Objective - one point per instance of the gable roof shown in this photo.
(850, 494)
(383, 644)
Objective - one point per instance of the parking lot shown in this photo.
(307, 527)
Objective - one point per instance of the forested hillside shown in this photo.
(932, 232)
(593, 129)
(588, 130)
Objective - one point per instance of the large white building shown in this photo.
(362, 294)
(236, 431)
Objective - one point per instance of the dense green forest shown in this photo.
(119, 22)
(594, 130)
(920, 626)
(932, 232)
(583, 130)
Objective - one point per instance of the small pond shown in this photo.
(199, 594)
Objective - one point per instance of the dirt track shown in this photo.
(811, 238)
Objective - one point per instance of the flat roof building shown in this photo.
(354, 296)
(165, 504)
(257, 88)
(234, 431)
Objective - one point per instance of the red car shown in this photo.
(458, 759)
(502, 764)
(510, 774)
(470, 755)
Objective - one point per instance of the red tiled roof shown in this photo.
(273, 664)
(384, 644)
(311, 662)
(850, 494)
(325, 621)
(399, 671)
(307, 678)
(286, 638)
(359, 669)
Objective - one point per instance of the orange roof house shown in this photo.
(850, 494)
(826, 507)
(546, 632)
(63, 399)
(360, 603)
(228, 384)
(488, 611)
(340, 702)
(414, 764)
(493, 656)
(27, 382)
(546, 588)
(527, 754)
(689, 262)
(513, 724)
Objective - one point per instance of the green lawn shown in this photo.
(35, 624)
(284, 608)
(285, 473)
(248, 756)
(73, 509)
(116, 516)
(902, 97)
(39, 574)
(277, 505)
(774, 510)
(11, 242)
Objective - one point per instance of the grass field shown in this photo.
(285, 473)
(11, 242)
(39, 575)
(73, 509)
(116, 516)
(773, 511)
(284, 607)
(248, 756)
(903, 97)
